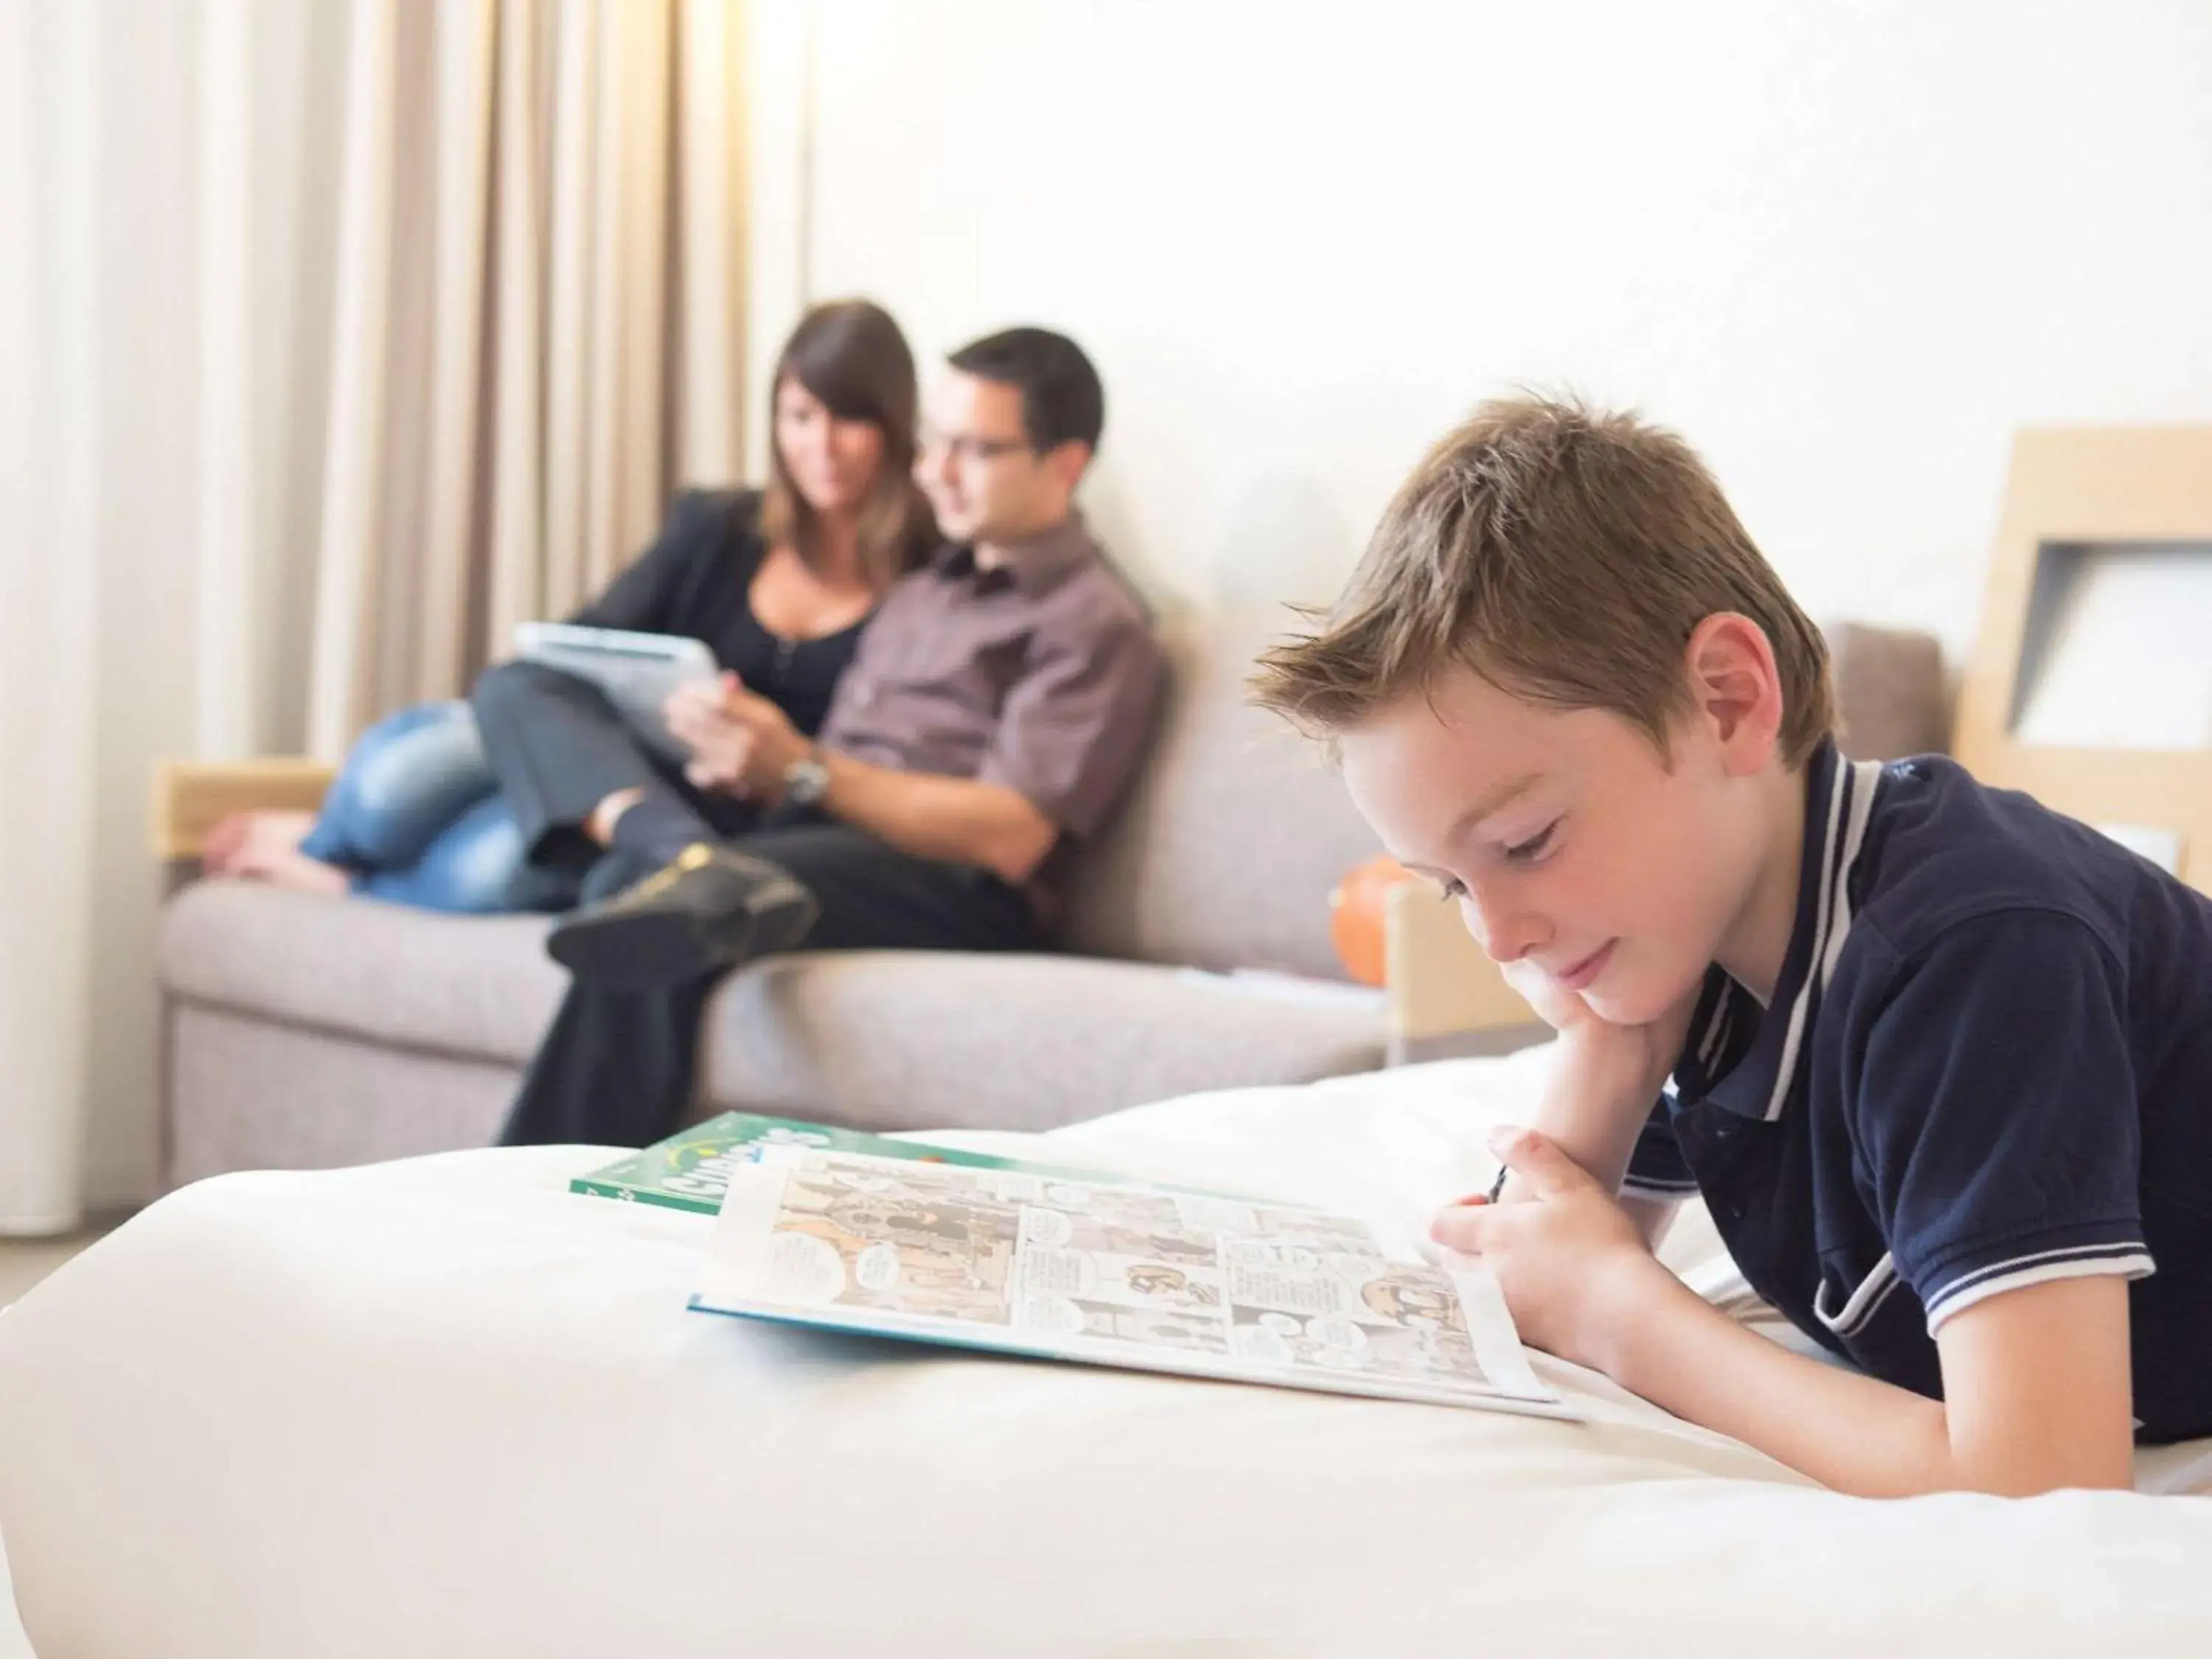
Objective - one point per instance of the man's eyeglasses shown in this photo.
(967, 447)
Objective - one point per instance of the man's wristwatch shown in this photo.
(806, 779)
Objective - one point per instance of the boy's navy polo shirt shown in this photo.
(1988, 1064)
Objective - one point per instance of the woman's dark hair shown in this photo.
(851, 354)
(1062, 401)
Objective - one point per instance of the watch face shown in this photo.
(805, 780)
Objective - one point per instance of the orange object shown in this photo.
(1356, 913)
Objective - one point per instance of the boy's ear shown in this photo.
(1735, 687)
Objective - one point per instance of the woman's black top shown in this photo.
(696, 579)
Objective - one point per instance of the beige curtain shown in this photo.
(50, 413)
(334, 338)
(533, 329)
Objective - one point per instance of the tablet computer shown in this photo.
(637, 672)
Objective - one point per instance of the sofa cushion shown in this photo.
(1224, 854)
(1891, 697)
(251, 1093)
(889, 1039)
(478, 986)
(880, 1038)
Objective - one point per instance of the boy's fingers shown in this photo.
(1461, 1227)
(1537, 1160)
(1557, 1008)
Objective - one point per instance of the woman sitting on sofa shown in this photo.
(777, 585)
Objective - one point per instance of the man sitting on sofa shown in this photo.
(1000, 701)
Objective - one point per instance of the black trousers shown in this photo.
(617, 1067)
(559, 747)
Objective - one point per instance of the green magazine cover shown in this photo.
(691, 1171)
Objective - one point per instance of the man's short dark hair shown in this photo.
(1062, 401)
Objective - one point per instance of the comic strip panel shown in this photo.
(862, 1238)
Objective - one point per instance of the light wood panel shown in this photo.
(1441, 984)
(2088, 486)
(191, 797)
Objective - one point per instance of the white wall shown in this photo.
(1846, 248)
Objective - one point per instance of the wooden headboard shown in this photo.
(2089, 487)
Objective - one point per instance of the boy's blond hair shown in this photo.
(1565, 554)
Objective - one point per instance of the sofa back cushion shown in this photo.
(1226, 849)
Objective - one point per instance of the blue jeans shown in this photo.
(415, 818)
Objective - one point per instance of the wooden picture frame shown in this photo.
(2100, 487)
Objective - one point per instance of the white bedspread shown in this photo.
(14, 1644)
(443, 1407)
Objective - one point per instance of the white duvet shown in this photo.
(443, 1407)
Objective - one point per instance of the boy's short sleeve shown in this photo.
(1656, 1169)
(1994, 1113)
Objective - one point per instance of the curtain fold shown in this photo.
(337, 339)
(516, 374)
(51, 415)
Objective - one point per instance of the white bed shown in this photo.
(14, 1644)
(443, 1407)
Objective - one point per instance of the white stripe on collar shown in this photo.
(1715, 1024)
(1855, 780)
(1869, 772)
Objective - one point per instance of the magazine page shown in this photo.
(1108, 1275)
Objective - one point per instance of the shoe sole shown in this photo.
(650, 949)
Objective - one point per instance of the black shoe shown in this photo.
(708, 908)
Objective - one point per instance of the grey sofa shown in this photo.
(302, 1031)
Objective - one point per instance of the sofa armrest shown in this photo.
(1446, 996)
(191, 797)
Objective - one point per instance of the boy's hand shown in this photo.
(1557, 1007)
(1566, 1255)
(1599, 1046)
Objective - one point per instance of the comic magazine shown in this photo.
(688, 1171)
(1089, 1269)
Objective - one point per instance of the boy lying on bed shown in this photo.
(1939, 1059)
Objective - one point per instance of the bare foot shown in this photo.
(220, 844)
(265, 846)
(244, 837)
(296, 870)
